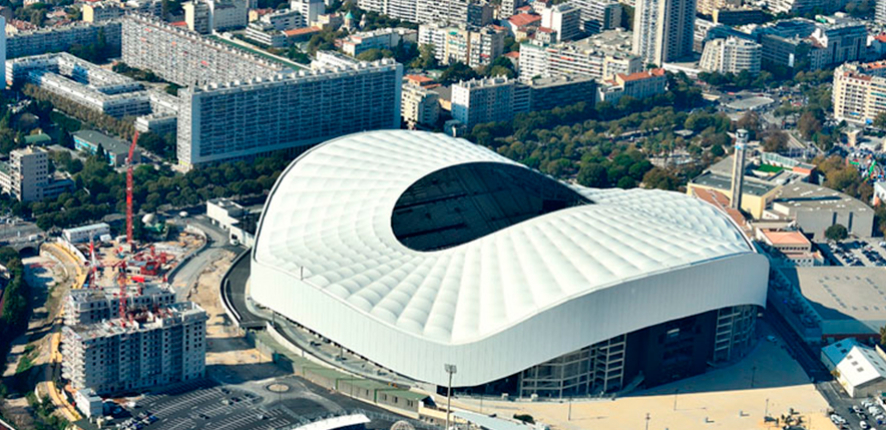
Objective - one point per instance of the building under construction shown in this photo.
(151, 346)
(88, 306)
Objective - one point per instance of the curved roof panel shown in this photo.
(328, 222)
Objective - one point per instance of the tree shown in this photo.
(457, 72)
(808, 125)
(426, 59)
(880, 120)
(593, 175)
(776, 141)
(836, 232)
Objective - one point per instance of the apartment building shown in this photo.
(197, 16)
(731, 55)
(265, 34)
(509, 8)
(483, 100)
(55, 39)
(564, 18)
(446, 12)
(600, 56)
(799, 7)
(549, 93)
(285, 19)
(663, 30)
(842, 42)
(242, 119)
(386, 38)
(638, 85)
(859, 92)
(738, 15)
(419, 107)
(880, 12)
(101, 11)
(467, 44)
(153, 347)
(185, 58)
(599, 15)
(95, 88)
(26, 176)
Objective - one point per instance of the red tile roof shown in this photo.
(419, 78)
(302, 31)
(545, 30)
(179, 24)
(646, 74)
(881, 37)
(512, 54)
(785, 237)
(524, 19)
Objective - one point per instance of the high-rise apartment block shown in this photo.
(880, 12)
(509, 8)
(663, 30)
(599, 15)
(26, 176)
(859, 92)
(221, 121)
(799, 7)
(467, 44)
(731, 55)
(101, 11)
(601, 57)
(55, 39)
(564, 18)
(184, 58)
(154, 347)
(205, 16)
(483, 100)
(93, 305)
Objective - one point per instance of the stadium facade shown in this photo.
(415, 250)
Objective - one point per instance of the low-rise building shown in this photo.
(86, 233)
(387, 38)
(265, 34)
(561, 91)
(115, 150)
(89, 403)
(239, 221)
(814, 208)
(284, 19)
(790, 248)
(860, 369)
(755, 197)
(639, 85)
(879, 193)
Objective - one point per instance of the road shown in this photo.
(187, 275)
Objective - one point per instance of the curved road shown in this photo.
(187, 275)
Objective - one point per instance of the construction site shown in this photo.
(122, 329)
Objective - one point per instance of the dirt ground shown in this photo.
(225, 344)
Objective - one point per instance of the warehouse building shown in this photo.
(815, 208)
(861, 370)
(527, 285)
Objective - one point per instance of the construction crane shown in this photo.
(129, 191)
(93, 264)
(122, 282)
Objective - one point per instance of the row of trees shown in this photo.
(120, 127)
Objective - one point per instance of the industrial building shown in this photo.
(860, 370)
(755, 197)
(151, 348)
(86, 233)
(417, 250)
(814, 208)
(826, 304)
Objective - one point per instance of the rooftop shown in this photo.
(524, 19)
(785, 237)
(110, 144)
(724, 183)
(846, 298)
(801, 196)
(856, 363)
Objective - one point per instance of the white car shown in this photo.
(864, 425)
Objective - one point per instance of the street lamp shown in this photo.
(450, 369)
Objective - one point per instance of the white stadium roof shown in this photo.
(332, 225)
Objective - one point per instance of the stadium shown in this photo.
(417, 250)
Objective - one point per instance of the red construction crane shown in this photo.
(129, 191)
(122, 281)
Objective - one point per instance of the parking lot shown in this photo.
(859, 253)
(853, 412)
(261, 405)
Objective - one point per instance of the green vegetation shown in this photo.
(15, 307)
(42, 410)
(136, 73)
(596, 144)
(836, 232)
(26, 362)
(768, 168)
(120, 127)
(843, 177)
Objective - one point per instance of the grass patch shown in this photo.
(768, 168)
